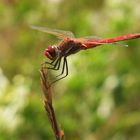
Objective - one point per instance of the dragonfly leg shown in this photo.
(46, 62)
(65, 65)
(56, 66)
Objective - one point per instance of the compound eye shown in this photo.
(50, 52)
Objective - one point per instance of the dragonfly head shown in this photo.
(51, 52)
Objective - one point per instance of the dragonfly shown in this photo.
(57, 54)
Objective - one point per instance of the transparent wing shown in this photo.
(96, 40)
(59, 33)
(91, 38)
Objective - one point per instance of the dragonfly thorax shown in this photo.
(51, 52)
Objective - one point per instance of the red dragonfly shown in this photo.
(71, 45)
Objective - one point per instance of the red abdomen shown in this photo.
(121, 38)
(94, 43)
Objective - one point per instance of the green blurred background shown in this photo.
(99, 100)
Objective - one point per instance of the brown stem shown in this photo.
(46, 86)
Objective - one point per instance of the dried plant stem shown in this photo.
(59, 134)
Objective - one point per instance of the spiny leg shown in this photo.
(56, 66)
(63, 68)
(50, 63)
(65, 64)
(46, 62)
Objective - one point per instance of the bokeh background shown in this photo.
(99, 100)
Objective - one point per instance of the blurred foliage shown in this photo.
(99, 100)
